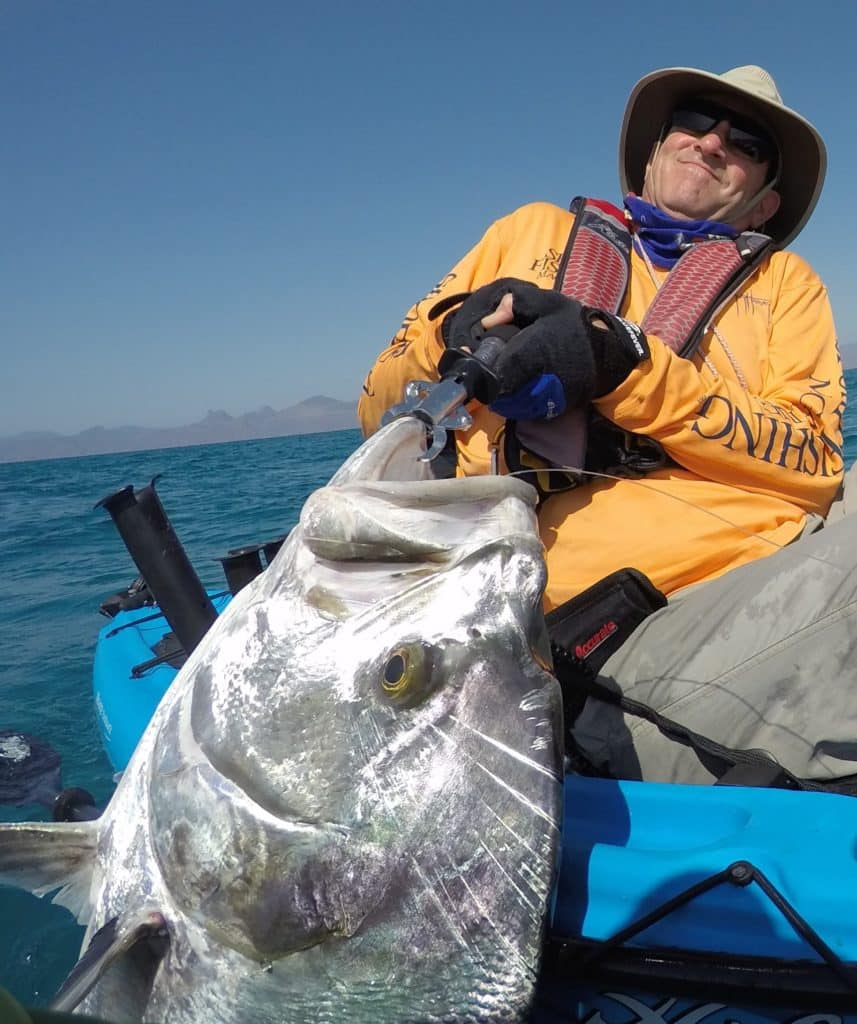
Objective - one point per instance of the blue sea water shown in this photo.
(59, 558)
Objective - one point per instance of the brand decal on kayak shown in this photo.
(630, 1010)
(102, 714)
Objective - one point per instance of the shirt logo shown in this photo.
(547, 265)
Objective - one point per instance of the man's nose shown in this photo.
(714, 140)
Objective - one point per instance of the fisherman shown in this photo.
(671, 385)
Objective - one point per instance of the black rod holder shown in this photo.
(151, 541)
(240, 566)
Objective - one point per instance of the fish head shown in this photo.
(357, 782)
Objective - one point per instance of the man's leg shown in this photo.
(763, 658)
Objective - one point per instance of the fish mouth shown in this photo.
(388, 521)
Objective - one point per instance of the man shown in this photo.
(746, 427)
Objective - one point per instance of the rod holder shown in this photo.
(241, 565)
(151, 541)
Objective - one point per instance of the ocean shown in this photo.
(60, 557)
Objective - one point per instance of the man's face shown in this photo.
(703, 175)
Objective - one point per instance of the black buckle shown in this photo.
(613, 450)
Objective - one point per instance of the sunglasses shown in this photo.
(747, 137)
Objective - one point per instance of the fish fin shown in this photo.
(118, 939)
(43, 856)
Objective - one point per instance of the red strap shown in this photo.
(693, 286)
(596, 263)
(595, 269)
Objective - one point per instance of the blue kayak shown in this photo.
(129, 678)
(683, 904)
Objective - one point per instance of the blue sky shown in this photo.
(212, 204)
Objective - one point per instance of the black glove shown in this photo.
(559, 359)
(617, 347)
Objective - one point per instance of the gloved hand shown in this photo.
(563, 356)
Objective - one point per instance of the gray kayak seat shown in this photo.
(845, 502)
(758, 666)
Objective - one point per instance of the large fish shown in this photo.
(346, 808)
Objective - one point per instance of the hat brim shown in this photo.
(803, 158)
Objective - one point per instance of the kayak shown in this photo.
(156, 622)
(675, 904)
(134, 664)
(681, 904)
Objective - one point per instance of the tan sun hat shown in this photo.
(748, 90)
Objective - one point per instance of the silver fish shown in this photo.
(346, 808)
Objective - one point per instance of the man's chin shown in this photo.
(694, 208)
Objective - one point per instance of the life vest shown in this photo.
(595, 270)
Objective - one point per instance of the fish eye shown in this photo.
(406, 674)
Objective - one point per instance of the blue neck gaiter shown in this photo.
(665, 238)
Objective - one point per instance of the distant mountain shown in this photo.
(312, 416)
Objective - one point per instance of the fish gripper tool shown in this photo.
(441, 405)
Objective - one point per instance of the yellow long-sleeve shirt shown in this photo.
(753, 420)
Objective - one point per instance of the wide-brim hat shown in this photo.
(747, 90)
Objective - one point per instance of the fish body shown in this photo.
(347, 805)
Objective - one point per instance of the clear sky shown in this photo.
(214, 204)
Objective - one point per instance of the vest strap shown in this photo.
(596, 264)
(705, 277)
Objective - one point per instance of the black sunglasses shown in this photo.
(747, 137)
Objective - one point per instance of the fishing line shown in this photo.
(750, 534)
